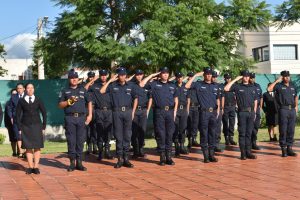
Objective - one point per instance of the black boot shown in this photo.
(249, 154)
(95, 149)
(231, 141)
(72, 165)
(227, 142)
(195, 143)
(169, 160)
(142, 153)
(190, 143)
(183, 150)
(177, 149)
(120, 162)
(205, 155)
(79, 165)
(254, 146)
(126, 161)
(100, 148)
(162, 160)
(284, 152)
(290, 151)
(243, 154)
(211, 156)
(135, 152)
(107, 153)
(275, 138)
(89, 150)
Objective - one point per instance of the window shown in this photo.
(261, 54)
(285, 52)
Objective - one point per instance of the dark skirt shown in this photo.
(32, 136)
(272, 119)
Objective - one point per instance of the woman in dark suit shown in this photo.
(270, 109)
(31, 127)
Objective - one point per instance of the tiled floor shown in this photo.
(268, 177)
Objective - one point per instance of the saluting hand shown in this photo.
(199, 74)
(279, 79)
(114, 78)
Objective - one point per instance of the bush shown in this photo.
(2, 138)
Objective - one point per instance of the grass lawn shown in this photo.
(58, 147)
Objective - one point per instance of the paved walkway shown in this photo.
(268, 177)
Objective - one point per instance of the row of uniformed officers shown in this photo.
(122, 106)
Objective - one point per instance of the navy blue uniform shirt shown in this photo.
(163, 94)
(80, 105)
(142, 94)
(259, 94)
(122, 95)
(285, 95)
(229, 97)
(245, 94)
(207, 94)
(183, 94)
(100, 100)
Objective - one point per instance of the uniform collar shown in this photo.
(118, 83)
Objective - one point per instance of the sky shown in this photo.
(19, 20)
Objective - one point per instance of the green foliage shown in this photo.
(288, 13)
(181, 34)
(2, 54)
(2, 138)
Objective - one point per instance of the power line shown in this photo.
(19, 43)
(29, 28)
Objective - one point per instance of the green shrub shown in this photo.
(2, 138)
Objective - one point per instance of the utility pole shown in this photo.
(40, 63)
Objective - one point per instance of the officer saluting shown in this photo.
(124, 104)
(165, 98)
(208, 98)
(247, 104)
(287, 100)
(74, 100)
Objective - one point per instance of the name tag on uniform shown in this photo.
(97, 88)
(81, 92)
(116, 89)
(81, 96)
(292, 89)
(172, 88)
(158, 85)
(128, 89)
(284, 88)
(68, 92)
(242, 90)
(203, 87)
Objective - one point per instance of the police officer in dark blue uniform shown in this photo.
(124, 104)
(287, 100)
(103, 116)
(229, 112)
(139, 123)
(193, 118)
(77, 106)
(181, 115)
(257, 117)
(245, 93)
(164, 96)
(208, 98)
(219, 120)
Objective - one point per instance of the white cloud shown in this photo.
(20, 46)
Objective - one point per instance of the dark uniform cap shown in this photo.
(178, 74)
(91, 74)
(214, 74)
(207, 70)
(103, 72)
(191, 74)
(72, 74)
(139, 72)
(245, 73)
(164, 70)
(252, 75)
(285, 73)
(121, 71)
(227, 76)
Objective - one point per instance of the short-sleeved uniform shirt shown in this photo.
(183, 94)
(259, 93)
(285, 95)
(246, 95)
(207, 94)
(80, 105)
(100, 100)
(163, 94)
(229, 97)
(122, 95)
(143, 94)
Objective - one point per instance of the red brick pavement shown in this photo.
(268, 177)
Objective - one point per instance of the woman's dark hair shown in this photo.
(269, 84)
(18, 84)
(28, 84)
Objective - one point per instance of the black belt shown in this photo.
(181, 107)
(141, 107)
(194, 105)
(103, 108)
(211, 109)
(165, 108)
(75, 114)
(246, 109)
(123, 109)
(229, 105)
(287, 107)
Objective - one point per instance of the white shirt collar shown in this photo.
(27, 98)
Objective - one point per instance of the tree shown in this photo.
(288, 13)
(2, 54)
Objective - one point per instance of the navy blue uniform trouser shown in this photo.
(218, 129)
(164, 128)
(180, 125)
(245, 128)
(256, 125)
(228, 120)
(193, 122)
(76, 135)
(103, 127)
(139, 126)
(122, 124)
(91, 133)
(287, 121)
(207, 127)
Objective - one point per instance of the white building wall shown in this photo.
(16, 68)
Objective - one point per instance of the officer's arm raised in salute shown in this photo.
(147, 79)
(104, 88)
(189, 83)
(271, 87)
